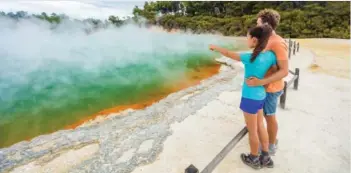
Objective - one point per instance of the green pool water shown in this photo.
(51, 79)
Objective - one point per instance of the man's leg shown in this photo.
(269, 109)
(272, 128)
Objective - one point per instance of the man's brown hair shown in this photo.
(269, 16)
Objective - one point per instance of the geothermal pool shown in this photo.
(52, 79)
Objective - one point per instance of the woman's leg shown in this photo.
(252, 159)
(249, 108)
(262, 132)
(251, 124)
(265, 159)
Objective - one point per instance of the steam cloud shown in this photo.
(45, 70)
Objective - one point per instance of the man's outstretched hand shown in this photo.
(253, 81)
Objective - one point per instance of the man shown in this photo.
(273, 80)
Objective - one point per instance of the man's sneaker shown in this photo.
(266, 161)
(253, 162)
(276, 143)
(272, 148)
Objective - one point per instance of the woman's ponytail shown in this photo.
(262, 33)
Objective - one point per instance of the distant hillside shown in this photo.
(299, 19)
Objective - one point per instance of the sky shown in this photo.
(78, 9)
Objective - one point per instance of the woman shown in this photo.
(256, 64)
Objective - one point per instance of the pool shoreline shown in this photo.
(192, 78)
(109, 137)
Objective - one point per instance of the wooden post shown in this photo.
(191, 169)
(283, 96)
(289, 49)
(294, 48)
(296, 82)
(298, 47)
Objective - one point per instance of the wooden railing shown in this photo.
(220, 156)
(293, 47)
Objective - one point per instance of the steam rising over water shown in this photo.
(50, 78)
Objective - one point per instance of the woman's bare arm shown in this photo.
(225, 52)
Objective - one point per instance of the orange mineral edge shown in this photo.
(192, 78)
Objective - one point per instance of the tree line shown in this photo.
(57, 18)
(299, 19)
(91, 24)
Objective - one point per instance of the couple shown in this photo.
(265, 69)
